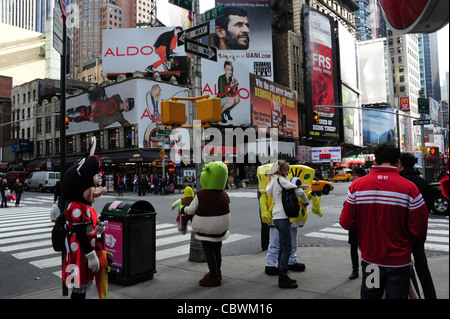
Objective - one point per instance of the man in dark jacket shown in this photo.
(406, 168)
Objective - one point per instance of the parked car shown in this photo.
(42, 181)
(11, 176)
(440, 203)
(322, 186)
(342, 175)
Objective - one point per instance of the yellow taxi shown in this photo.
(322, 186)
(342, 175)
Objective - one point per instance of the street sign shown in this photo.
(57, 32)
(210, 14)
(421, 122)
(164, 132)
(194, 33)
(200, 49)
(185, 4)
(423, 105)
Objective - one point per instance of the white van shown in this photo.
(42, 181)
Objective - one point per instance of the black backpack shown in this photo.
(59, 233)
(290, 201)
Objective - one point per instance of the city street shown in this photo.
(29, 263)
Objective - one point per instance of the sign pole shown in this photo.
(62, 125)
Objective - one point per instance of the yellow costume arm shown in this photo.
(266, 208)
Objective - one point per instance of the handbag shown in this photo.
(7, 193)
(289, 201)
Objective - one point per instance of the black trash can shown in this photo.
(130, 235)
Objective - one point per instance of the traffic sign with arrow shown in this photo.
(200, 49)
(194, 33)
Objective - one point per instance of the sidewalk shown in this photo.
(326, 277)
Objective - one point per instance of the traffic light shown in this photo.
(424, 150)
(209, 110)
(67, 123)
(316, 116)
(434, 150)
(173, 112)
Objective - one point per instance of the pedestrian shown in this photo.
(120, 185)
(385, 209)
(211, 221)
(406, 168)
(4, 191)
(278, 179)
(17, 187)
(57, 193)
(135, 184)
(352, 236)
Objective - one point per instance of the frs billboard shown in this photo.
(321, 82)
(128, 50)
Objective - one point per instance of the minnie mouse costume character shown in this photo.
(80, 188)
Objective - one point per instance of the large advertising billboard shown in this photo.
(144, 49)
(243, 47)
(321, 79)
(379, 127)
(352, 123)
(132, 103)
(273, 106)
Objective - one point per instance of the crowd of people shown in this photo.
(144, 184)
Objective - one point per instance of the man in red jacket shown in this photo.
(386, 210)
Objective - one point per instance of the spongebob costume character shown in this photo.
(298, 174)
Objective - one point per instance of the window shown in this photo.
(402, 78)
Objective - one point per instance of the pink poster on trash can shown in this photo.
(113, 242)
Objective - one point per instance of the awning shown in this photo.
(137, 156)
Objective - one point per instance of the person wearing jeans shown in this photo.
(278, 179)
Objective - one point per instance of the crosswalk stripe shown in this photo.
(24, 238)
(26, 235)
(26, 232)
(35, 253)
(46, 224)
(47, 263)
(25, 246)
(16, 222)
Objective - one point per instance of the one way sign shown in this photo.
(194, 33)
(200, 49)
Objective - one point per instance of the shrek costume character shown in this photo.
(299, 174)
(211, 218)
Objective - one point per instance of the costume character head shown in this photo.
(188, 192)
(80, 180)
(306, 175)
(214, 176)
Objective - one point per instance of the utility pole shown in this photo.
(62, 118)
(196, 80)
